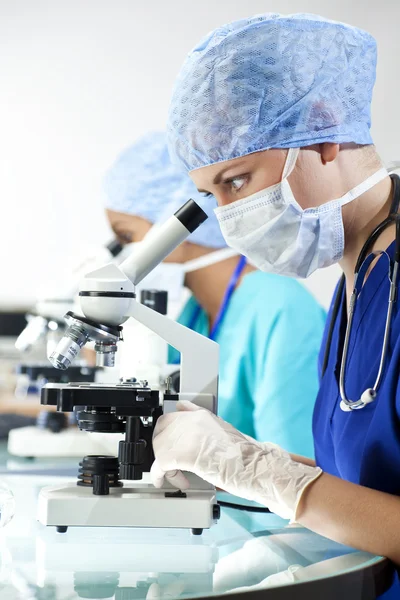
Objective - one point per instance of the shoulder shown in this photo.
(279, 293)
(189, 308)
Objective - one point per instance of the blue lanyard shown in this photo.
(225, 302)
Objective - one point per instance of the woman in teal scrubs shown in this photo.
(268, 356)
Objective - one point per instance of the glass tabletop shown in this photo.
(244, 552)
(67, 466)
(58, 464)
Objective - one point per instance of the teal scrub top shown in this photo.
(269, 342)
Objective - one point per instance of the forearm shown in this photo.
(353, 515)
(303, 459)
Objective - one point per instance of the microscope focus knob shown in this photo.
(53, 421)
(100, 473)
(131, 457)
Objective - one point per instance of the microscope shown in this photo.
(52, 435)
(46, 318)
(45, 326)
(116, 491)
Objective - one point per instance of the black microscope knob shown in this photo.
(100, 473)
(53, 421)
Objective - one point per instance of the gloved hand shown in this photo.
(173, 590)
(193, 439)
(257, 560)
(258, 564)
(289, 576)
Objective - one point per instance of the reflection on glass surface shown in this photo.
(93, 561)
(13, 464)
(7, 504)
(244, 551)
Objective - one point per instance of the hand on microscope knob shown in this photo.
(195, 440)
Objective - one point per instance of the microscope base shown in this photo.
(34, 442)
(137, 504)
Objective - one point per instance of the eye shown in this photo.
(236, 184)
(124, 237)
(205, 194)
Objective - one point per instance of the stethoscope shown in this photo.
(363, 264)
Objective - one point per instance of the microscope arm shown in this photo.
(199, 355)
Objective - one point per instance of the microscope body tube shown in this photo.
(107, 294)
(161, 241)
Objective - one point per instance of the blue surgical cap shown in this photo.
(143, 182)
(272, 81)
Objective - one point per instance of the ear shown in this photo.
(329, 152)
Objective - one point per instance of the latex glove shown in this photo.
(170, 591)
(257, 560)
(286, 577)
(193, 439)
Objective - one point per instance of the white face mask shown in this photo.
(272, 230)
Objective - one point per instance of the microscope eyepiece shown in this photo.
(191, 215)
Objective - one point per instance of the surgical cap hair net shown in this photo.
(272, 81)
(144, 182)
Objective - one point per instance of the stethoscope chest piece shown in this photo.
(367, 397)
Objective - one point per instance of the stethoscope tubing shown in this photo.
(369, 394)
(364, 262)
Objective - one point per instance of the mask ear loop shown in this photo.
(208, 259)
(290, 162)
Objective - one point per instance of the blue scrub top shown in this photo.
(269, 341)
(362, 446)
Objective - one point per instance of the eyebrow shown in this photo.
(116, 227)
(119, 225)
(218, 177)
(120, 230)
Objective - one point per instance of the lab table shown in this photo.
(256, 554)
(47, 466)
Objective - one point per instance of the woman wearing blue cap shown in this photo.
(252, 315)
(271, 115)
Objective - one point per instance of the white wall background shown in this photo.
(81, 79)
